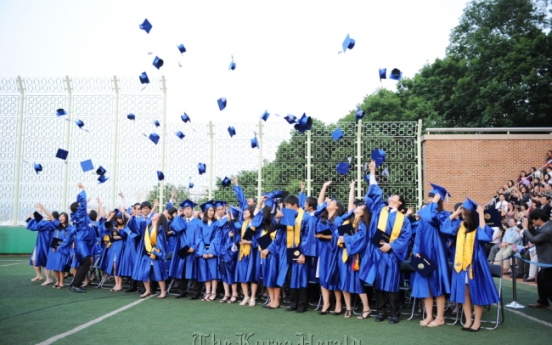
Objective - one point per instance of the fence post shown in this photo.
(18, 143)
(69, 110)
(114, 148)
(419, 156)
(164, 134)
(260, 171)
(309, 162)
(210, 166)
(359, 159)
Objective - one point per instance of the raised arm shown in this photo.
(351, 204)
(101, 210)
(322, 194)
(238, 190)
(46, 212)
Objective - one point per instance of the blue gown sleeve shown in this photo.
(161, 245)
(278, 239)
(238, 190)
(484, 234)
(215, 247)
(450, 226)
(302, 199)
(169, 205)
(308, 241)
(357, 242)
(375, 194)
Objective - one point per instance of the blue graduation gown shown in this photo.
(114, 254)
(238, 190)
(208, 269)
(225, 242)
(431, 242)
(59, 259)
(85, 235)
(482, 287)
(186, 235)
(348, 280)
(326, 251)
(45, 230)
(148, 268)
(248, 269)
(127, 256)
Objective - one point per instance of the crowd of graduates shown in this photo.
(281, 240)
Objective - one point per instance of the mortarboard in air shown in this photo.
(232, 64)
(395, 74)
(441, 190)
(265, 116)
(201, 167)
(131, 117)
(226, 182)
(185, 118)
(221, 103)
(290, 118)
(385, 172)
(304, 123)
(349, 43)
(157, 62)
(144, 78)
(62, 154)
(219, 203)
(188, 203)
(87, 165)
(343, 168)
(160, 175)
(146, 26)
(254, 143)
(190, 185)
(231, 131)
(288, 218)
(181, 48)
(206, 205)
(37, 167)
(378, 155)
(80, 124)
(383, 73)
(337, 134)
(180, 134)
(156, 123)
(154, 137)
(101, 170)
(359, 115)
(61, 112)
(102, 179)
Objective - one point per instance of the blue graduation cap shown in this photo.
(190, 185)
(80, 124)
(102, 179)
(37, 167)
(265, 116)
(231, 131)
(288, 218)
(337, 134)
(349, 43)
(219, 203)
(131, 117)
(470, 205)
(201, 167)
(180, 134)
(395, 74)
(383, 73)
(157, 62)
(359, 114)
(156, 123)
(160, 175)
(235, 212)
(232, 64)
(61, 112)
(188, 203)
(87, 165)
(290, 118)
(221, 103)
(254, 143)
(181, 48)
(101, 170)
(343, 168)
(226, 182)
(441, 190)
(378, 155)
(304, 123)
(144, 78)
(320, 208)
(206, 205)
(62, 154)
(185, 118)
(154, 137)
(146, 26)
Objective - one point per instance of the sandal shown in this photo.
(232, 300)
(245, 301)
(206, 297)
(362, 317)
(211, 298)
(347, 314)
(435, 324)
(225, 299)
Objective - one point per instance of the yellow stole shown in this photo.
(245, 248)
(150, 239)
(294, 232)
(382, 223)
(464, 250)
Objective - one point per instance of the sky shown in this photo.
(286, 51)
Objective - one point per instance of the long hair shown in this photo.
(205, 217)
(251, 209)
(66, 222)
(122, 217)
(440, 206)
(162, 223)
(366, 217)
(469, 221)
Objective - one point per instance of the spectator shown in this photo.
(511, 236)
(497, 235)
(525, 196)
(511, 212)
(502, 204)
(521, 211)
(549, 159)
(546, 179)
(523, 178)
(534, 172)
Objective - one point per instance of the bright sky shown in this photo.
(286, 51)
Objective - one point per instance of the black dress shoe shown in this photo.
(465, 328)
(290, 308)
(78, 289)
(181, 295)
(320, 312)
(393, 320)
(269, 307)
(474, 330)
(132, 289)
(380, 317)
(194, 297)
(529, 280)
(300, 310)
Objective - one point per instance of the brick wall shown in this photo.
(477, 165)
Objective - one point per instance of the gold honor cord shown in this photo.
(382, 223)
(464, 250)
(294, 232)
(150, 239)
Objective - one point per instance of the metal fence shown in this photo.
(31, 133)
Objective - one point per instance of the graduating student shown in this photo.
(57, 261)
(184, 264)
(207, 252)
(269, 263)
(248, 264)
(227, 244)
(45, 229)
(472, 282)
(430, 245)
(388, 256)
(116, 228)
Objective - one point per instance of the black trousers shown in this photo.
(544, 285)
(394, 301)
(84, 267)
